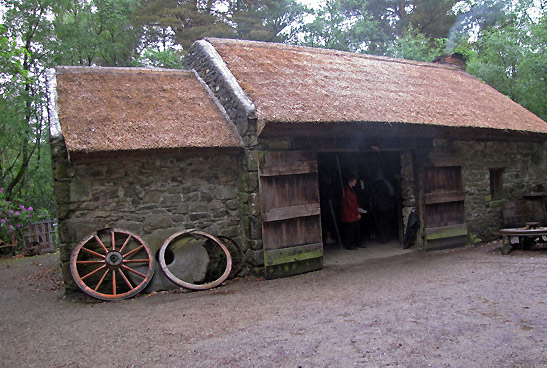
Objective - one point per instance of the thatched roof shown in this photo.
(131, 109)
(294, 84)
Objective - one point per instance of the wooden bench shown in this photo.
(531, 230)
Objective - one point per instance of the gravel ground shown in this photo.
(468, 307)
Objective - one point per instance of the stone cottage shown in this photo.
(254, 140)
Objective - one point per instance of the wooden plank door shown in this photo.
(443, 199)
(291, 216)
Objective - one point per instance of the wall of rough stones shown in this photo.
(524, 168)
(408, 186)
(145, 194)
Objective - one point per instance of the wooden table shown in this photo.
(522, 232)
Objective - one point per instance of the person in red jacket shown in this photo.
(350, 215)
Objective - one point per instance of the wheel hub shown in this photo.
(114, 258)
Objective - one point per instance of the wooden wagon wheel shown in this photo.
(101, 262)
(226, 266)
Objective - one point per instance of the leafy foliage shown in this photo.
(168, 58)
(24, 154)
(15, 217)
(510, 56)
(264, 20)
(338, 27)
(373, 26)
(414, 45)
(101, 32)
(182, 22)
(10, 58)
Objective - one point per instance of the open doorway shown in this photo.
(378, 191)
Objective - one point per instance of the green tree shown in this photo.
(169, 23)
(414, 45)
(97, 32)
(533, 86)
(474, 18)
(265, 20)
(10, 58)
(510, 55)
(24, 167)
(335, 27)
(167, 58)
(182, 22)
(374, 26)
(498, 59)
(432, 18)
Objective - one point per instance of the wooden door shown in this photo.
(291, 216)
(443, 200)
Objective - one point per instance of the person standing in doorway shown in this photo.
(350, 214)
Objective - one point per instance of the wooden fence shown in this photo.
(43, 232)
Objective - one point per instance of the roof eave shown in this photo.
(373, 128)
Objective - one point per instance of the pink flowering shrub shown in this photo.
(14, 217)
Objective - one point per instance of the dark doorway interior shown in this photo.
(378, 191)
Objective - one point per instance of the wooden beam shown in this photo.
(292, 254)
(434, 233)
(441, 157)
(432, 198)
(284, 213)
(446, 243)
(292, 168)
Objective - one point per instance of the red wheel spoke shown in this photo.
(132, 270)
(125, 279)
(89, 262)
(133, 251)
(113, 242)
(101, 243)
(114, 283)
(93, 272)
(125, 243)
(136, 260)
(93, 252)
(102, 279)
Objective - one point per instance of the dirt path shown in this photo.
(462, 308)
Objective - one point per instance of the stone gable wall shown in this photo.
(143, 195)
(524, 168)
(202, 58)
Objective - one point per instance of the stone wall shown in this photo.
(408, 188)
(145, 194)
(524, 168)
